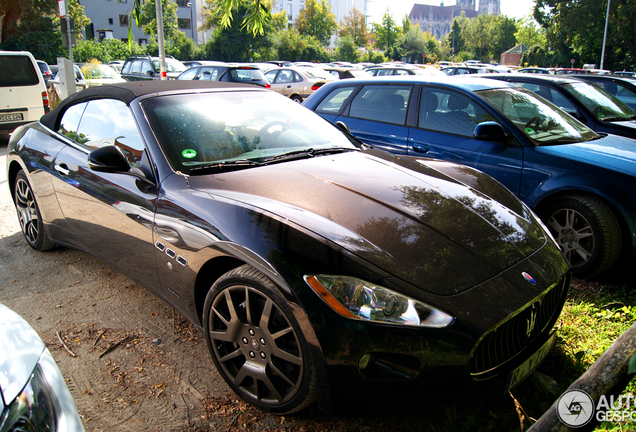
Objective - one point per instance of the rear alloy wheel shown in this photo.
(297, 98)
(29, 215)
(587, 231)
(256, 343)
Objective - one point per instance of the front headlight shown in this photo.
(355, 298)
(34, 408)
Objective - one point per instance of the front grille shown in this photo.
(504, 341)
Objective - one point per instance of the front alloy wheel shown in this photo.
(29, 215)
(587, 231)
(256, 344)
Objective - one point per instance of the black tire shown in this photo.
(296, 98)
(256, 343)
(588, 232)
(29, 215)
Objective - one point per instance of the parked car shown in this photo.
(89, 75)
(466, 70)
(45, 70)
(295, 82)
(571, 71)
(402, 70)
(302, 255)
(536, 70)
(34, 393)
(22, 90)
(594, 107)
(579, 182)
(144, 68)
(345, 72)
(117, 65)
(227, 72)
(625, 73)
(624, 88)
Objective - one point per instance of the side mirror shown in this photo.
(343, 126)
(150, 73)
(108, 159)
(490, 131)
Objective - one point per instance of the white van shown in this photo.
(23, 96)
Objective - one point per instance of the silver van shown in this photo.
(23, 95)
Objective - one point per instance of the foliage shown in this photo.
(536, 55)
(578, 28)
(529, 33)
(293, 46)
(182, 47)
(104, 51)
(317, 20)
(456, 38)
(387, 36)
(168, 17)
(346, 49)
(354, 26)
(77, 14)
(414, 44)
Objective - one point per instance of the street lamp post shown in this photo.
(605, 34)
(189, 4)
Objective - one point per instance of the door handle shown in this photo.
(62, 169)
(421, 148)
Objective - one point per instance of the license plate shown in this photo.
(11, 117)
(529, 365)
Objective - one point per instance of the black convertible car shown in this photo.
(316, 267)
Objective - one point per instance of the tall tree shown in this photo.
(387, 35)
(529, 33)
(577, 27)
(168, 15)
(317, 20)
(354, 26)
(503, 31)
(479, 35)
(414, 45)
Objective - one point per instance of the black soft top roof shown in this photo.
(128, 91)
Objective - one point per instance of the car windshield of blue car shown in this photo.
(237, 130)
(541, 121)
(602, 104)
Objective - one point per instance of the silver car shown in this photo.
(297, 83)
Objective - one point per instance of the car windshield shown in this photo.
(540, 120)
(601, 104)
(172, 65)
(197, 130)
(98, 71)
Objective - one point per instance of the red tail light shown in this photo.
(317, 85)
(45, 102)
(268, 86)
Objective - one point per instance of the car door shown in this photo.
(112, 215)
(282, 81)
(377, 116)
(446, 121)
(208, 73)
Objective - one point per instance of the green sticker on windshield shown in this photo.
(530, 131)
(189, 153)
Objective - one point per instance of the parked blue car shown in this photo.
(581, 183)
(596, 108)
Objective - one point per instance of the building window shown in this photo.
(123, 20)
(183, 3)
(124, 40)
(290, 8)
(110, 21)
(123, 1)
(142, 42)
(184, 23)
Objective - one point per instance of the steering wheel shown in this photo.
(536, 121)
(278, 128)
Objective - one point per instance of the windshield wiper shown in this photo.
(303, 154)
(226, 166)
(618, 118)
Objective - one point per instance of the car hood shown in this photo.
(401, 215)
(20, 350)
(613, 152)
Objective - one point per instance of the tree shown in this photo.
(354, 26)
(168, 16)
(414, 44)
(317, 20)
(456, 38)
(503, 30)
(479, 35)
(576, 28)
(529, 33)
(234, 43)
(346, 49)
(387, 35)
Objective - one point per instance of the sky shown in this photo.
(399, 8)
